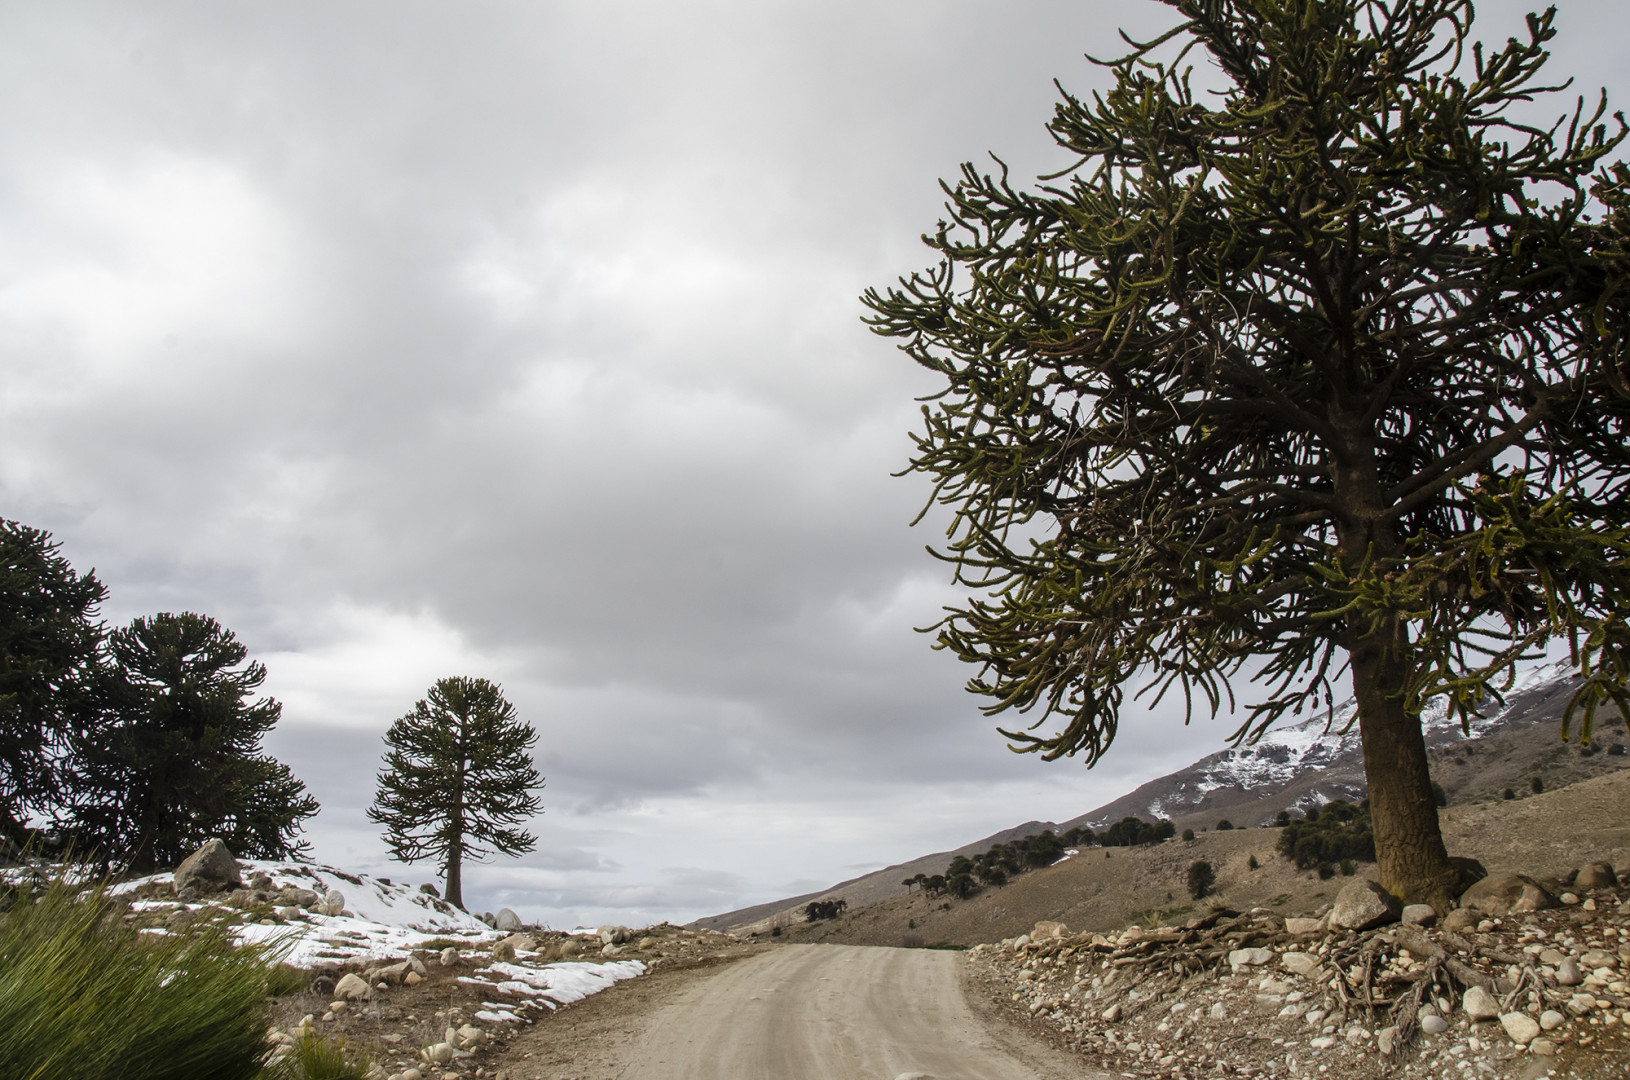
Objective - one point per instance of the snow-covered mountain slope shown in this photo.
(1297, 766)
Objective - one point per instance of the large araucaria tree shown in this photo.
(1319, 377)
(458, 779)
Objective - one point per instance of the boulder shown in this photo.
(1044, 930)
(1506, 893)
(1249, 957)
(506, 920)
(504, 952)
(521, 942)
(1599, 958)
(334, 899)
(1460, 921)
(296, 897)
(449, 957)
(353, 987)
(1596, 875)
(1521, 1027)
(613, 935)
(210, 869)
(1479, 1004)
(1419, 915)
(1363, 904)
(429, 890)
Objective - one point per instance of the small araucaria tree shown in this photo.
(458, 775)
(1322, 375)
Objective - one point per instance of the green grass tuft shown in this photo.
(82, 997)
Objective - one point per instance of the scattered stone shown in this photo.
(1459, 921)
(300, 898)
(1112, 1015)
(1325, 1042)
(439, 1053)
(1599, 958)
(429, 890)
(503, 952)
(1550, 1020)
(1419, 915)
(210, 869)
(1542, 1048)
(322, 986)
(1299, 962)
(1249, 957)
(1363, 904)
(335, 900)
(506, 920)
(1596, 875)
(1433, 1024)
(1507, 893)
(449, 957)
(1522, 1028)
(1479, 1004)
(1219, 1011)
(1569, 899)
(413, 978)
(523, 942)
(353, 987)
(1294, 925)
(1045, 930)
(1568, 973)
(1384, 1040)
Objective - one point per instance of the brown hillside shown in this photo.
(1543, 835)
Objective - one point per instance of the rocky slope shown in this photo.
(1526, 983)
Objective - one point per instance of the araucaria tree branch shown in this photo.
(1324, 374)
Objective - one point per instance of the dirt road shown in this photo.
(815, 1012)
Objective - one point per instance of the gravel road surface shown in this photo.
(819, 1012)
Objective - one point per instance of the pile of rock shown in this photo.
(1366, 987)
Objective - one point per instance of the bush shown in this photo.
(1509, 794)
(817, 910)
(1188, 834)
(1224, 825)
(1439, 796)
(314, 1058)
(1326, 871)
(1202, 879)
(1538, 785)
(1336, 831)
(1348, 868)
(84, 998)
(1252, 863)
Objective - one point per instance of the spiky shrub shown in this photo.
(314, 1058)
(82, 997)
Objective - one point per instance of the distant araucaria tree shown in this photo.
(1322, 375)
(458, 775)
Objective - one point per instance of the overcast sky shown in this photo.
(521, 340)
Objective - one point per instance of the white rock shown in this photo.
(1299, 962)
(1521, 1027)
(353, 987)
(449, 956)
(439, 1054)
(1568, 973)
(335, 899)
(1434, 1024)
(1249, 957)
(1384, 1039)
(1323, 1042)
(1219, 1011)
(1363, 904)
(1112, 1015)
(1550, 1020)
(1479, 1004)
(1313, 1018)
(1542, 1048)
(1294, 925)
(507, 920)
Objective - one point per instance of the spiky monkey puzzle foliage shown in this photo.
(1324, 374)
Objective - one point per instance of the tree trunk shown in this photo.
(455, 881)
(1413, 862)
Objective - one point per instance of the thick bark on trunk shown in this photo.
(1413, 862)
(455, 882)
